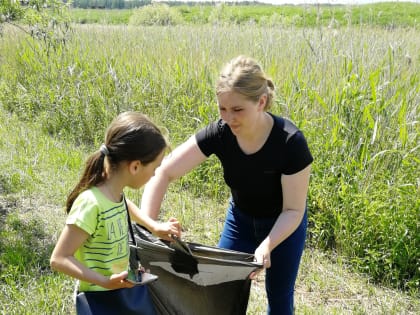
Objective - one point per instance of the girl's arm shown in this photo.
(295, 190)
(162, 230)
(63, 260)
(181, 160)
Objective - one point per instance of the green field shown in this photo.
(387, 15)
(353, 88)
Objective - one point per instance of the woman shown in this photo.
(266, 164)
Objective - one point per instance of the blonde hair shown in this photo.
(245, 76)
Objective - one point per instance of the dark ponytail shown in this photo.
(93, 174)
(131, 136)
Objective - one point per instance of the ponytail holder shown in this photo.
(104, 150)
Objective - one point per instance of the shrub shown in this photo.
(156, 14)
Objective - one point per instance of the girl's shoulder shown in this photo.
(96, 197)
(90, 194)
(84, 211)
(87, 199)
(91, 198)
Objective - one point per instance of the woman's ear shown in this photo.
(262, 101)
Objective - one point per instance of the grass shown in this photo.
(354, 90)
(89, 16)
(326, 284)
(389, 15)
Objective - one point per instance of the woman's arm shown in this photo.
(295, 191)
(181, 160)
(63, 260)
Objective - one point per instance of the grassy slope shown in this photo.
(325, 286)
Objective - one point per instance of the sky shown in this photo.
(331, 1)
(311, 1)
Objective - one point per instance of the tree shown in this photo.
(10, 10)
(47, 20)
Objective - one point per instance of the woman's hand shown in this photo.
(294, 188)
(262, 256)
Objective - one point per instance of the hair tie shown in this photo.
(104, 150)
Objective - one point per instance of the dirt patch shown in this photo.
(6, 205)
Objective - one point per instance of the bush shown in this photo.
(156, 14)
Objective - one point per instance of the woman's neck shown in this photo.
(255, 139)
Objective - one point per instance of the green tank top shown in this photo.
(106, 250)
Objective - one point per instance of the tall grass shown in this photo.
(388, 15)
(353, 91)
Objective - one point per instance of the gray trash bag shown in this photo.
(195, 279)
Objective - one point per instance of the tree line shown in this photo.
(109, 4)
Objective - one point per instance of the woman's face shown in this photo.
(239, 112)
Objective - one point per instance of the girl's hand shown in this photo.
(117, 281)
(262, 256)
(167, 229)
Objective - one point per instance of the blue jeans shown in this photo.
(244, 233)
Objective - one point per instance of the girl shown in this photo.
(93, 246)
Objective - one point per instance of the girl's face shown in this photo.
(144, 172)
(239, 112)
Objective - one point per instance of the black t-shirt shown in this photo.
(255, 179)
